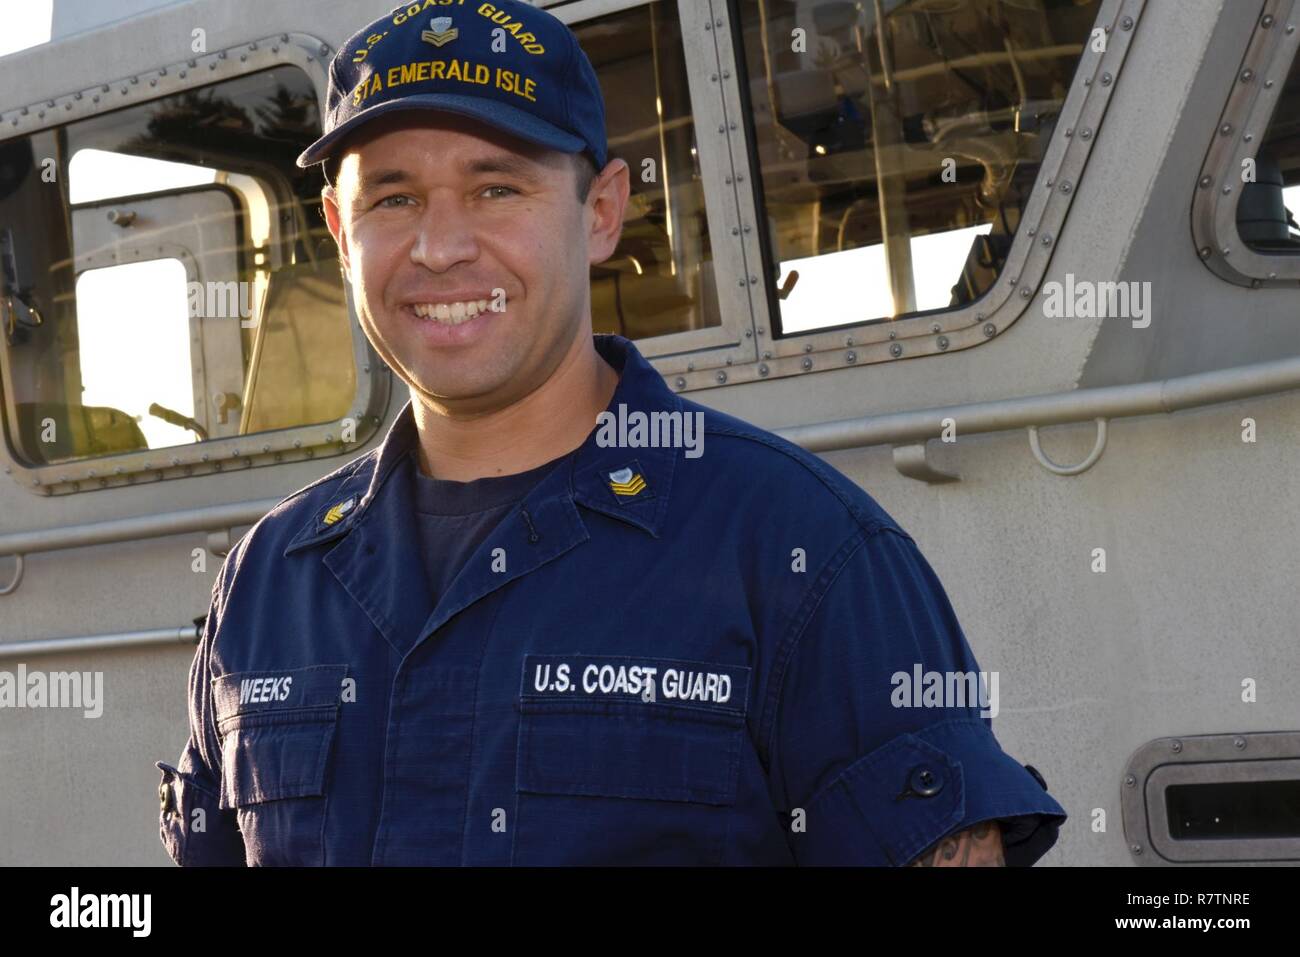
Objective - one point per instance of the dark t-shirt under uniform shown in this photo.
(454, 518)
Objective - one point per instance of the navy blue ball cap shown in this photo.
(506, 63)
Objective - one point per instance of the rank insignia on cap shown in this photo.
(441, 32)
(337, 512)
(626, 483)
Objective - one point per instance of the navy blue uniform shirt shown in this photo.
(656, 657)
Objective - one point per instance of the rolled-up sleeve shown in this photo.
(883, 740)
(191, 825)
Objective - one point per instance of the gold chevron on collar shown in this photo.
(626, 483)
(337, 512)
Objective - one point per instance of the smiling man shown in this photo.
(508, 636)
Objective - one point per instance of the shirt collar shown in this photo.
(627, 482)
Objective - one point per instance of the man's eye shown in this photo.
(382, 203)
(505, 191)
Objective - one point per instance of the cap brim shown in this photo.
(502, 116)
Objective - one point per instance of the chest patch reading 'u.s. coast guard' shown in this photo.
(667, 680)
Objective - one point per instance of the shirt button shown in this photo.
(925, 781)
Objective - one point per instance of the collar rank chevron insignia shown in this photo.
(337, 512)
(626, 483)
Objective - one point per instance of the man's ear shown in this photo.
(333, 219)
(608, 197)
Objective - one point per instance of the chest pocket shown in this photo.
(277, 730)
(616, 772)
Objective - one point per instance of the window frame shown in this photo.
(935, 332)
(1256, 86)
(712, 102)
(311, 56)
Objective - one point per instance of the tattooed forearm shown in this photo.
(980, 846)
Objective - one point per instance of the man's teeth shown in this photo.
(451, 313)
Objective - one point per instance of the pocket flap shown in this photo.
(269, 694)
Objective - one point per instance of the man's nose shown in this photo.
(446, 234)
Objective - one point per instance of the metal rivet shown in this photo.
(848, 341)
(1047, 239)
(1205, 182)
(893, 334)
(1105, 79)
(1239, 743)
(762, 368)
(1176, 746)
(721, 377)
(806, 363)
(990, 329)
(1130, 781)
(1267, 21)
(850, 356)
(1026, 292)
(1085, 134)
(1225, 129)
(1205, 252)
(681, 383)
(767, 355)
(1066, 188)
(896, 350)
(1227, 190)
(1136, 848)
(807, 347)
(690, 367)
(943, 343)
(1126, 23)
(1247, 75)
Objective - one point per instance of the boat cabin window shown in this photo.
(166, 278)
(898, 144)
(1268, 212)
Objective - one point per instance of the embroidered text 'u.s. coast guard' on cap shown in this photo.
(505, 63)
